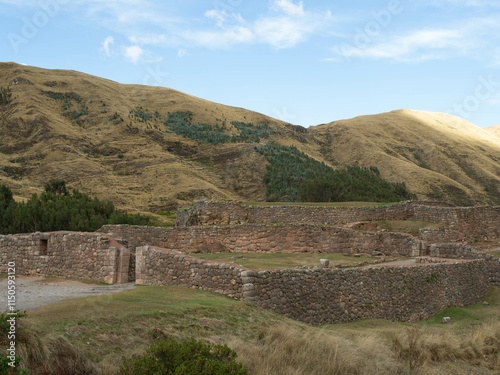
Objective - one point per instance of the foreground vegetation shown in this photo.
(294, 176)
(92, 335)
(58, 209)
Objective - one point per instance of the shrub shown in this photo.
(189, 357)
(181, 123)
(5, 95)
(294, 176)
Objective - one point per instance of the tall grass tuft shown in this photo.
(480, 347)
(287, 350)
(52, 355)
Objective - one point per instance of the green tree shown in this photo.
(56, 186)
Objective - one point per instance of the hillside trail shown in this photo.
(33, 292)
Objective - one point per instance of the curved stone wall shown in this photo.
(324, 296)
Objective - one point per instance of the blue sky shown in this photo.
(306, 62)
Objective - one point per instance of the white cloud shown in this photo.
(461, 3)
(220, 39)
(106, 45)
(416, 46)
(291, 28)
(289, 7)
(222, 18)
(133, 53)
(181, 53)
(217, 15)
(282, 32)
(474, 39)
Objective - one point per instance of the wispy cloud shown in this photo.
(471, 39)
(106, 45)
(419, 45)
(462, 3)
(289, 7)
(286, 24)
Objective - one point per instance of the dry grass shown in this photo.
(153, 171)
(479, 347)
(50, 354)
(290, 350)
(495, 130)
(94, 333)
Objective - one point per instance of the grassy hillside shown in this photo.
(94, 333)
(439, 156)
(495, 130)
(152, 148)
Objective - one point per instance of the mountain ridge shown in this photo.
(112, 140)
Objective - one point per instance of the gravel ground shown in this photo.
(35, 291)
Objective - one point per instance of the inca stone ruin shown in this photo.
(449, 270)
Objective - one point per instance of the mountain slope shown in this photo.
(495, 130)
(137, 145)
(439, 156)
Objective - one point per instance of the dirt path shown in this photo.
(36, 291)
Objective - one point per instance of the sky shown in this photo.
(305, 62)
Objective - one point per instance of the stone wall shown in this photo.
(394, 293)
(156, 266)
(91, 256)
(466, 223)
(469, 224)
(222, 213)
(295, 238)
(324, 296)
(461, 251)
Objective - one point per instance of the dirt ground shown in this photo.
(36, 291)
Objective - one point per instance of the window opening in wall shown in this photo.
(43, 247)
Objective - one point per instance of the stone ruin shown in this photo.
(449, 272)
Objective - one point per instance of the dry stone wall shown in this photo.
(323, 296)
(220, 213)
(91, 256)
(469, 224)
(395, 293)
(461, 251)
(295, 238)
(156, 266)
(465, 223)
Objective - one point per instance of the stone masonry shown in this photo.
(91, 256)
(456, 275)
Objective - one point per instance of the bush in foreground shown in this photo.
(189, 357)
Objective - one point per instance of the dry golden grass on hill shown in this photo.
(439, 156)
(495, 130)
(140, 168)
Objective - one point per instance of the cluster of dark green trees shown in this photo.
(292, 176)
(5, 95)
(143, 115)
(58, 209)
(181, 123)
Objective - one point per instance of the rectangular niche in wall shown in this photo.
(43, 246)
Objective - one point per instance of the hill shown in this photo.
(439, 156)
(152, 148)
(495, 130)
